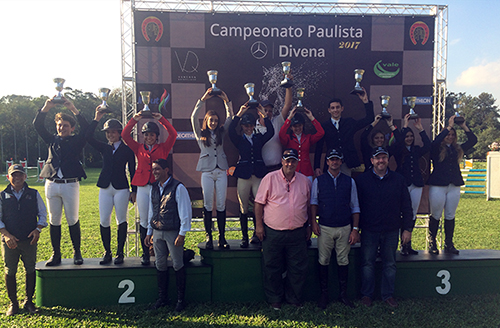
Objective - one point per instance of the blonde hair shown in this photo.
(443, 151)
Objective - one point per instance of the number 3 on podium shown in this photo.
(445, 282)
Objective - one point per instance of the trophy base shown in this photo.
(253, 104)
(105, 110)
(146, 114)
(299, 109)
(286, 84)
(459, 120)
(57, 100)
(357, 92)
(385, 115)
(215, 92)
(414, 116)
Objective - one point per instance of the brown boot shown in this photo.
(30, 291)
(11, 285)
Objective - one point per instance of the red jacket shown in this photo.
(306, 140)
(145, 157)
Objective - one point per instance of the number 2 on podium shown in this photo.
(125, 297)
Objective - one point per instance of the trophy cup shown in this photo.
(212, 77)
(358, 75)
(146, 112)
(458, 119)
(384, 101)
(300, 96)
(286, 83)
(103, 95)
(59, 87)
(250, 89)
(411, 101)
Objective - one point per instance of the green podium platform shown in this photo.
(235, 275)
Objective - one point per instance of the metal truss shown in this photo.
(286, 8)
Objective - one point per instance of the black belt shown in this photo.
(64, 180)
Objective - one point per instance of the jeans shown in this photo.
(388, 242)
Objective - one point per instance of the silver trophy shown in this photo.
(59, 87)
(384, 101)
(412, 101)
(250, 89)
(458, 119)
(358, 76)
(103, 95)
(300, 96)
(286, 83)
(146, 111)
(212, 77)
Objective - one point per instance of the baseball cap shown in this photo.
(297, 119)
(290, 153)
(379, 150)
(334, 153)
(16, 168)
(266, 102)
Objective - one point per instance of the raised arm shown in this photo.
(172, 133)
(134, 145)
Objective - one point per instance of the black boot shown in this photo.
(221, 225)
(11, 285)
(76, 237)
(30, 291)
(433, 228)
(323, 285)
(449, 230)
(343, 273)
(55, 240)
(254, 239)
(106, 242)
(145, 249)
(162, 279)
(207, 222)
(122, 238)
(244, 230)
(180, 280)
(410, 250)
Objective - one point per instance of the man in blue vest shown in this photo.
(170, 216)
(22, 217)
(335, 199)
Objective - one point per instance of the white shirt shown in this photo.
(272, 150)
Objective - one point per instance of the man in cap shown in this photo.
(283, 220)
(385, 205)
(335, 199)
(63, 172)
(22, 217)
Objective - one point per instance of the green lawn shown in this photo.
(478, 226)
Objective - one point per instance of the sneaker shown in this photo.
(276, 306)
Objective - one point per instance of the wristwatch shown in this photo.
(39, 230)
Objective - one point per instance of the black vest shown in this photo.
(20, 216)
(334, 208)
(165, 212)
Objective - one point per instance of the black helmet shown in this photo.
(247, 118)
(297, 119)
(112, 124)
(151, 127)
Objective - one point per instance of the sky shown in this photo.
(80, 40)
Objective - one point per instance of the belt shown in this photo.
(64, 180)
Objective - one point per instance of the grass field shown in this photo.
(478, 227)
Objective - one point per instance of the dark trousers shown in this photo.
(284, 253)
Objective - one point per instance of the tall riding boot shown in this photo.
(11, 285)
(162, 279)
(145, 249)
(244, 230)
(343, 273)
(323, 285)
(433, 229)
(76, 237)
(221, 225)
(122, 238)
(106, 242)
(449, 230)
(207, 222)
(30, 291)
(254, 239)
(55, 240)
(180, 280)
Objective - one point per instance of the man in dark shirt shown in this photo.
(385, 205)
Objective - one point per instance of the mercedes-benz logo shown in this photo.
(258, 50)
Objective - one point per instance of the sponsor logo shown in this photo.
(386, 70)
(190, 62)
(197, 203)
(420, 101)
(189, 135)
(419, 32)
(152, 27)
(258, 50)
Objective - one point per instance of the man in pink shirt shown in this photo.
(283, 224)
